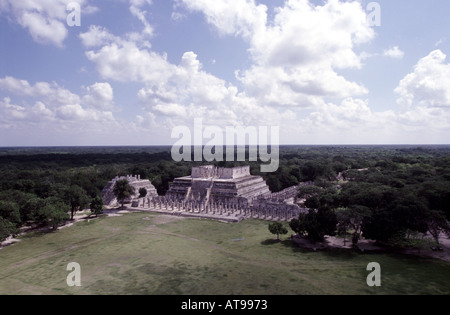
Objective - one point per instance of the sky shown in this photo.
(129, 72)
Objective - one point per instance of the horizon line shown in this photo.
(246, 145)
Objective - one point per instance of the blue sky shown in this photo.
(135, 69)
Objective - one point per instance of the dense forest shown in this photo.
(386, 193)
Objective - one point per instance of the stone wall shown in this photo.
(109, 199)
(210, 171)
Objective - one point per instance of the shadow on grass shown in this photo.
(270, 241)
(286, 243)
(343, 253)
(36, 233)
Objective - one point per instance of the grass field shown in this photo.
(144, 253)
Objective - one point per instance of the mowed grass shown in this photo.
(146, 253)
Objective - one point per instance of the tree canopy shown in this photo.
(400, 189)
(277, 228)
(123, 190)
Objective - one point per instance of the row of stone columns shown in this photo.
(276, 212)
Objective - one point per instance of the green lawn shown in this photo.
(171, 255)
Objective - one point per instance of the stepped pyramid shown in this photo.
(212, 184)
(135, 181)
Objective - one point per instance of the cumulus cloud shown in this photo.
(424, 97)
(97, 36)
(423, 114)
(176, 91)
(189, 92)
(125, 61)
(297, 54)
(50, 93)
(45, 20)
(394, 52)
(348, 116)
(295, 57)
(99, 95)
(52, 102)
(231, 17)
(427, 85)
(10, 111)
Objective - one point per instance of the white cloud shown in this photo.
(125, 61)
(394, 52)
(52, 102)
(296, 55)
(41, 111)
(100, 95)
(177, 92)
(136, 10)
(351, 115)
(295, 58)
(231, 17)
(424, 98)
(45, 20)
(44, 30)
(171, 109)
(428, 85)
(50, 93)
(10, 111)
(97, 36)
(188, 92)
(423, 117)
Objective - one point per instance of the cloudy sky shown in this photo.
(324, 71)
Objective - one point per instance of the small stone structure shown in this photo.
(109, 199)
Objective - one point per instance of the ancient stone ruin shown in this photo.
(212, 184)
(226, 194)
(135, 181)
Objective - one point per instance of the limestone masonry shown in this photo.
(212, 184)
(228, 194)
(135, 181)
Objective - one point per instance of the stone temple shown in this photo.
(135, 181)
(212, 184)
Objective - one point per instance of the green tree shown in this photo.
(53, 213)
(320, 223)
(96, 205)
(10, 211)
(7, 228)
(30, 210)
(77, 198)
(308, 191)
(438, 224)
(277, 228)
(404, 212)
(298, 225)
(353, 218)
(122, 190)
(315, 224)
